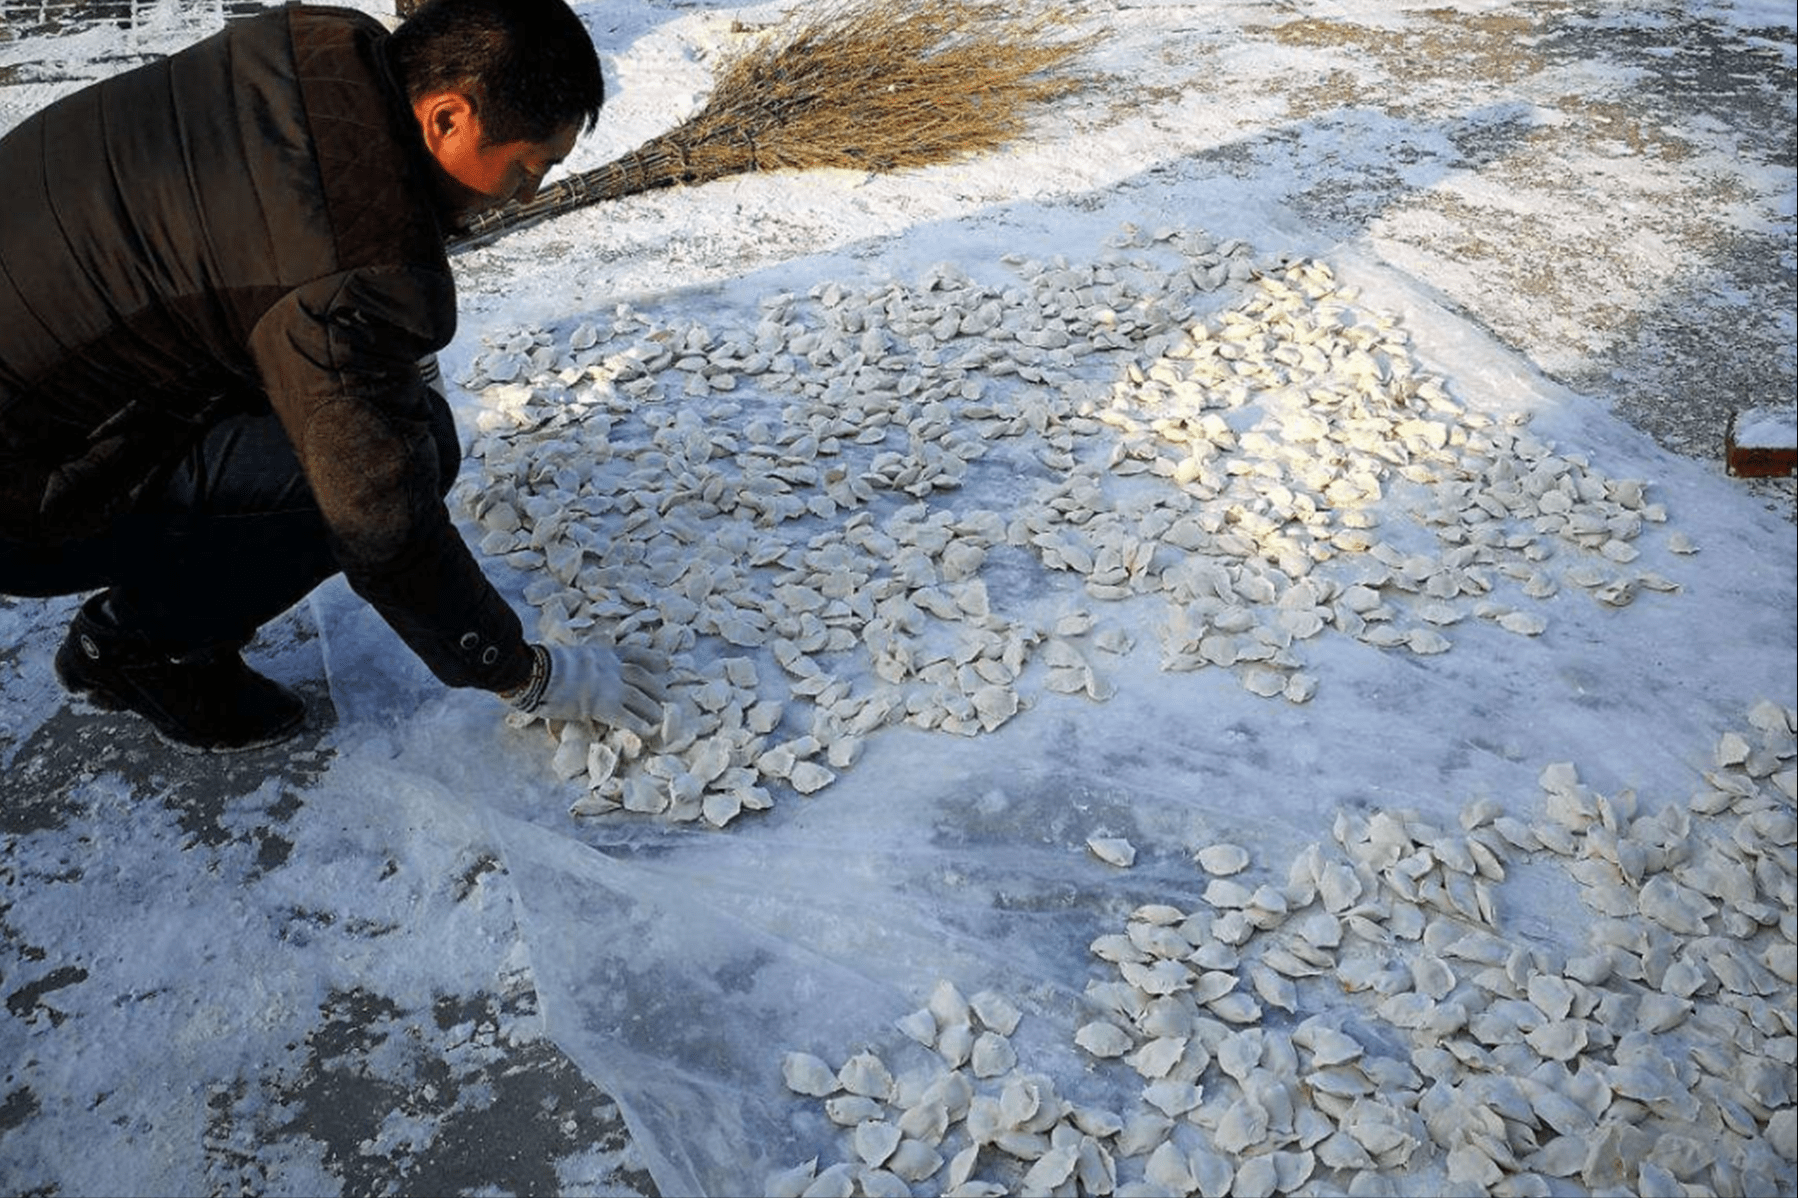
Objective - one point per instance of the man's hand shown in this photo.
(622, 686)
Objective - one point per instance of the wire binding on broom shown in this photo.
(862, 84)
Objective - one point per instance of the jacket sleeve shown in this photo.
(339, 361)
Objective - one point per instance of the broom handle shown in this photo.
(564, 195)
(634, 173)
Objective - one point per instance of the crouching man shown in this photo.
(218, 275)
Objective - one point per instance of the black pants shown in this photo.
(229, 541)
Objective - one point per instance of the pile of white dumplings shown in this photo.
(1368, 1024)
(923, 503)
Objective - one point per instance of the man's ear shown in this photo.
(444, 117)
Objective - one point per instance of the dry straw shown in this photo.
(874, 85)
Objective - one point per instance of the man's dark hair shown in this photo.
(529, 65)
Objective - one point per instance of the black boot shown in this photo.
(203, 699)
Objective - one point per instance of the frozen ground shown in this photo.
(391, 960)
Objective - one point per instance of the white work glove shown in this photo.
(618, 686)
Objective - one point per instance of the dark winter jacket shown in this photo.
(249, 222)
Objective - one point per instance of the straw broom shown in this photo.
(873, 85)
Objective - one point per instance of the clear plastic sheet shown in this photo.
(678, 965)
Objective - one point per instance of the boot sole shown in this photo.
(269, 742)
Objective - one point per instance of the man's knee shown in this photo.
(244, 465)
(449, 446)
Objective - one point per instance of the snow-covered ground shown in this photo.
(1307, 442)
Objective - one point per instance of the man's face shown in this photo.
(474, 174)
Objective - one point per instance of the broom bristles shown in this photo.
(863, 84)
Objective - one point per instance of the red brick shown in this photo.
(1760, 456)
